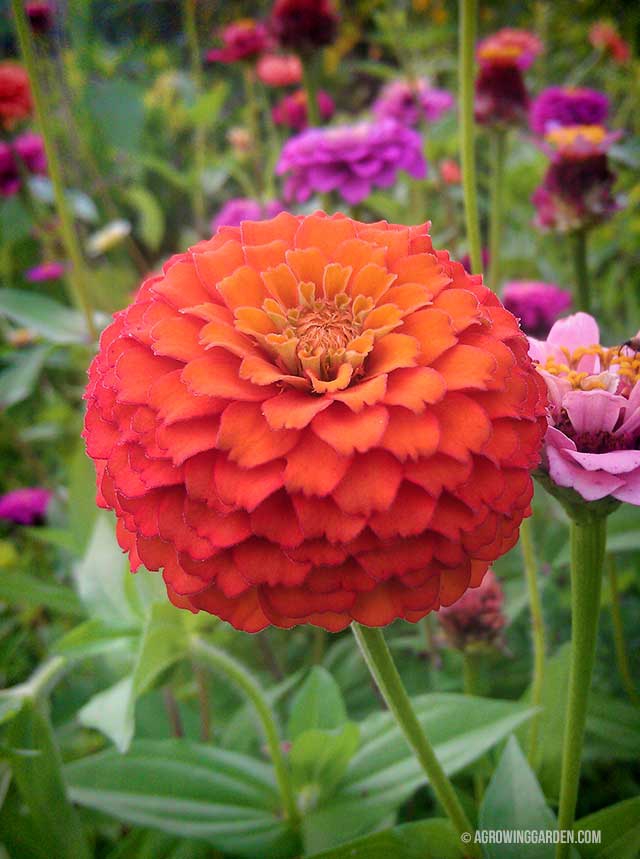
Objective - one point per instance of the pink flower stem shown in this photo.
(385, 674)
(588, 540)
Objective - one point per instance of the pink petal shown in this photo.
(556, 438)
(630, 492)
(593, 411)
(613, 462)
(591, 485)
(579, 329)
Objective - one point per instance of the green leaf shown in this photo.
(150, 223)
(207, 108)
(22, 589)
(117, 109)
(317, 704)
(428, 839)
(92, 638)
(384, 773)
(514, 801)
(147, 844)
(81, 507)
(319, 759)
(188, 790)
(162, 643)
(52, 320)
(619, 826)
(19, 379)
(39, 780)
(15, 220)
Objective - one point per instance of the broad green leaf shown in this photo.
(514, 801)
(319, 760)
(100, 576)
(188, 790)
(22, 589)
(147, 844)
(94, 637)
(162, 643)
(427, 839)
(150, 223)
(58, 537)
(19, 379)
(39, 780)
(384, 773)
(207, 108)
(52, 320)
(317, 704)
(619, 826)
(613, 729)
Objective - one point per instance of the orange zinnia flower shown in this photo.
(315, 420)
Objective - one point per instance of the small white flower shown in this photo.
(108, 237)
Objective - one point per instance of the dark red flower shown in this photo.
(245, 39)
(303, 25)
(477, 618)
(501, 95)
(315, 420)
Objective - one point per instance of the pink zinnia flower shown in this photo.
(592, 442)
(536, 304)
(279, 69)
(477, 618)
(26, 506)
(245, 39)
(450, 172)
(292, 109)
(51, 270)
(411, 102)
(510, 47)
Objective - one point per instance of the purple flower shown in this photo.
(30, 149)
(409, 103)
(350, 159)
(26, 506)
(51, 270)
(9, 177)
(567, 106)
(241, 209)
(538, 305)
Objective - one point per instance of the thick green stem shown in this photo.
(199, 140)
(537, 635)
(499, 148)
(583, 294)
(77, 273)
(466, 48)
(311, 89)
(588, 539)
(239, 675)
(618, 634)
(385, 674)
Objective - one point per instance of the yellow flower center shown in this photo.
(567, 135)
(625, 364)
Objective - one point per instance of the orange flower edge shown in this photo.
(315, 420)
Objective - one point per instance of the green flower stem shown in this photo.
(499, 148)
(618, 633)
(253, 121)
(467, 37)
(199, 139)
(383, 670)
(239, 675)
(311, 89)
(470, 675)
(537, 634)
(77, 273)
(588, 539)
(583, 294)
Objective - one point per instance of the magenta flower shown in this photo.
(27, 147)
(40, 14)
(510, 47)
(51, 270)
(536, 304)
(30, 148)
(9, 176)
(240, 209)
(477, 618)
(559, 106)
(592, 443)
(501, 94)
(350, 159)
(245, 39)
(292, 109)
(410, 103)
(26, 506)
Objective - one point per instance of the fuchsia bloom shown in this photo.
(242, 40)
(51, 270)
(240, 209)
(477, 618)
(29, 149)
(350, 159)
(26, 506)
(292, 109)
(592, 444)
(559, 105)
(40, 14)
(576, 191)
(501, 93)
(410, 103)
(536, 304)
(279, 69)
